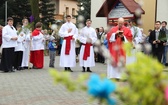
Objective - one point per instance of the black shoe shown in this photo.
(19, 68)
(34, 67)
(166, 64)
(69, 69)
(83, 69)
(88, 69)
(5, 72)
(65, 68)
(26, 67)
(51, 66)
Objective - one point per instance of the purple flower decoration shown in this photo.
(101, 89)
(31, 18)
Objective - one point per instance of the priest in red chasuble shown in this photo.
(37, 47)
(116, 37)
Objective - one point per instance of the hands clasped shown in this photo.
(119, 33)
(69, 30)
(89, 40)
(14, 38)
(156, 41)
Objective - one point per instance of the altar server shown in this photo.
(87, 37)
(69, 33)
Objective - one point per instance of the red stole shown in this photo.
(68, 44)
(116, 54)
(86, 51)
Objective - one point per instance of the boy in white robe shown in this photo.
(19, 49)
(87, 37)
(69, 33)
(26, 52)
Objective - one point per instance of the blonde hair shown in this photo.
(24, 20)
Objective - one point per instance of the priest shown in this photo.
(116, 37)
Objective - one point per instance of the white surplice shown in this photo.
(38, 42)
(87, 32)
(26, 43)
(20, 46)
(137, 35)
(7, 33)
(68, 60)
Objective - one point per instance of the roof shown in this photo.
(107, 6)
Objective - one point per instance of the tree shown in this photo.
(47, 9)
(18, 9)
(2, 12)
(22, 11)
(85, 8)
(35, 9)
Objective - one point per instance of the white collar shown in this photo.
(157, 30)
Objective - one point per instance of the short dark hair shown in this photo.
(150, 30)
(102, 28)
(131, 20)
(164, 22)
(158, 22)
(68, 16)
(9, 18)
(88, 20)
(38, 24)
(97, 29)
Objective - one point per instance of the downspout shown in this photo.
(156, 10)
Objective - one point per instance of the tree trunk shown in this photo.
(35, 10)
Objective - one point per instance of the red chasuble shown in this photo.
(37, 57)
(119, 52)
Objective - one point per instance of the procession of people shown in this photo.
(20, 46)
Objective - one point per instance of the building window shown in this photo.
(67, 10)
(73, 11)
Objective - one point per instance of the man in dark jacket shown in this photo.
(157, 39)
(165, 56)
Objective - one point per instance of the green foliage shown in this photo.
(18, 9)
(27, 29)
(47, 8)
(145, 82)
(35, 9)
(86, 4)
(96, 86)
(65, 79)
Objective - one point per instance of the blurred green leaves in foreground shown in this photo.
(145, 82)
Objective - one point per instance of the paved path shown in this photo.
(35, 87)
